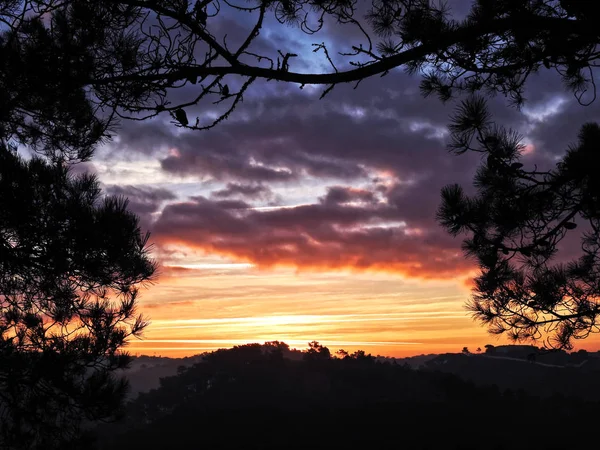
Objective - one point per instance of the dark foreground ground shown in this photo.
(255, 397)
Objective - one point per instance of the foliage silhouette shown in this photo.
(73, 66)
(70, 261)
(316, 352)
(516, 223)
(241, 398)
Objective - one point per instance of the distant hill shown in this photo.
(536, 378)
(256, 397)
(145, 372)
(415, 362)
(508, 367)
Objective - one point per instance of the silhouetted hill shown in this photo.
(508, 367)
(249, 397)
(534, 378)
(534, 370)
(414, 362)
(145, 372)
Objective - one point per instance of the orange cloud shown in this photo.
(367, 236)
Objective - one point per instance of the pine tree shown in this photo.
(70, 265)
(515, 224)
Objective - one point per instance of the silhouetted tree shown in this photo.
(362, 357)
(70, 261)
(316, 352)
(71, 66)
(515, 224)
(276, 349)
(358, 355)
(489, 348)
(342, 353)
(465, 351)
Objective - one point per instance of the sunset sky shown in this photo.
(301, 219)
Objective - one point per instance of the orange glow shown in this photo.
(433, 269)
(198, 310)
(381, 313)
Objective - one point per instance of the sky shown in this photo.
(300, 219)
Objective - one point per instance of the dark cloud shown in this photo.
(83, 168)
(385, 124)
(299, 137)
(144, 201)
(250, 191)
(147, 137)
(320, 236)
(344, 194)
(222, 164)
(558, 131)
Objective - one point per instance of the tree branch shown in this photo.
(444, 41)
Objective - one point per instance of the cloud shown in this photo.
(145, 201)
(343, 194)
(383, 144)
(320, 236)
(560, 127)
(81, 168)
(249, 191)
(222, 165)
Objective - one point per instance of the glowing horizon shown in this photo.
(379, 313)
